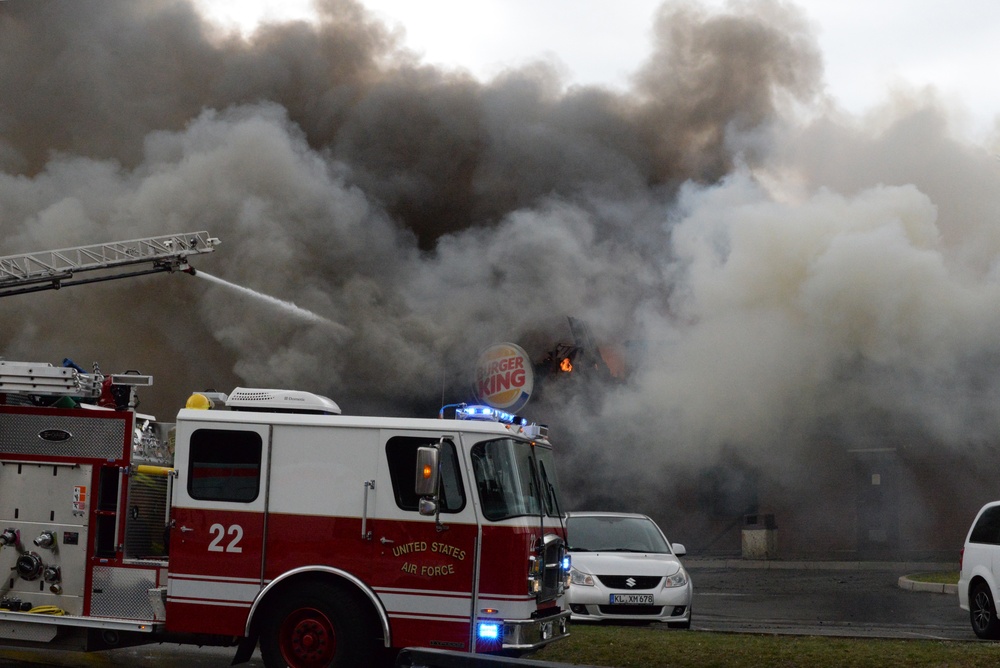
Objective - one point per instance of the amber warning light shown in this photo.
(427, 471)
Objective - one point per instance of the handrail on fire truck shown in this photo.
(51, 270)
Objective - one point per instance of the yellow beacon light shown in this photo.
(198, 401)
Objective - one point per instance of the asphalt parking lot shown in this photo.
(837, 599)
(845, 599)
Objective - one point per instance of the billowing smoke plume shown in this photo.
(784, 287)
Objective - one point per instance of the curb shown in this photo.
(807, 565)
(904, 582)
(933, 587)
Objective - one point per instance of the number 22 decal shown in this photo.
(219, 531)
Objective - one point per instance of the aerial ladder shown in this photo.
(52, 270)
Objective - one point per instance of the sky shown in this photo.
(868, 48)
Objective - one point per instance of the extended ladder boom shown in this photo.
(48, 270)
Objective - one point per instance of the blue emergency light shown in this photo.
(478, 412)
(490, 631)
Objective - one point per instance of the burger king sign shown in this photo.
(504, 378)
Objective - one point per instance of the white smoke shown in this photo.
(780, 285)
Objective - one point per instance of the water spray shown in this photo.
(286, 306)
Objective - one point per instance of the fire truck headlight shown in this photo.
(534, 575)
(580, 578)
(491, 631)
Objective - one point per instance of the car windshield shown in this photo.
(614, 534)
(514, 478)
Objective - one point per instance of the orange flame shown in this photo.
(566, 365)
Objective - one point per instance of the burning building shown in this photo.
(816, 295)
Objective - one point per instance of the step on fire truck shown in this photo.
(266, 516)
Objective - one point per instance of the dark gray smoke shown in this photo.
(789, 282)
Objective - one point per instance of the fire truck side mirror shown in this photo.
(428, 507)
(428, 458)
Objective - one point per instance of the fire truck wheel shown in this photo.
(316, 625)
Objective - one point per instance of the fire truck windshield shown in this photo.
(514, 478)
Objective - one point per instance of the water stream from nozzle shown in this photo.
(285, 306)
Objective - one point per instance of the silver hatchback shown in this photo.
(624, 569)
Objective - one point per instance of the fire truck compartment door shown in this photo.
(217, 528)
(424, 571)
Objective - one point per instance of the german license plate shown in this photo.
(631, 599)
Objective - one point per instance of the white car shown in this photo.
(977, 584)
(623, 568)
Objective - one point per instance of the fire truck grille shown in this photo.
(552, 578)
(99, 438)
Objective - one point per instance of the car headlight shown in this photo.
(580, 578)
(678, 579)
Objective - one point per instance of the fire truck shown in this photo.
(268, 517)
(263, 516)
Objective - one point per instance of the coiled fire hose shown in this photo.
(47, 610)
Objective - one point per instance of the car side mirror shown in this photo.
(678, 549)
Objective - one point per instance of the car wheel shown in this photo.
(983, 612)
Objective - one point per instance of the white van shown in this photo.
(979, 565)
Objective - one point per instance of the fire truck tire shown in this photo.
(317, 625)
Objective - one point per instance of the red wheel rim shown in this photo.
(308, 639)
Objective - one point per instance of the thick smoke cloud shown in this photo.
(786, 281)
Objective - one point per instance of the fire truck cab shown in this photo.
(268, 517)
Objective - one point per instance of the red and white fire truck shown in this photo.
(266, 516)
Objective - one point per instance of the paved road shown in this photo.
(147, 656)
(854, 600)
(857, 602)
